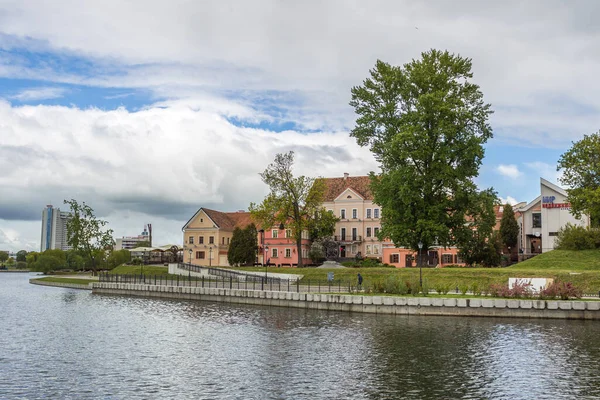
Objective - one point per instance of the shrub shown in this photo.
(21, 265)
(562, 290)
(464, 288)
(137, 261)
(573, 237)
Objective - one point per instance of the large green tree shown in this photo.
(426, 124)
(243, 247)
(293, 201)
(581, 174)
(86, 233)
(21, 255)
(509, 227)
(3, 256)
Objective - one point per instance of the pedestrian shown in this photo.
(359, 281)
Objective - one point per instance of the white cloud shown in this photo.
(541, 76)
(160, 163)
(508, 200)
(40, 93)
(510, 171)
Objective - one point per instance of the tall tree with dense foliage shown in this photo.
(86, 233)
(581, 174)
(509, 227)
(21, 255)
(243, 247)
(426, 124)
(293, 201)
(3, 257)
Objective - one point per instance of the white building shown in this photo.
(541, 219)
(131, 242)
(54, 229)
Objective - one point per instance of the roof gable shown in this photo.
(552, 186)
(348, 194)
(224, 220)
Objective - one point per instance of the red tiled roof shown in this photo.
(229, 220)
(335, 186)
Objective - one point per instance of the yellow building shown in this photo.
(206, 236)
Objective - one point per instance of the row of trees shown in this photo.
(75, 260)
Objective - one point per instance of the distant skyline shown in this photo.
(150, 110)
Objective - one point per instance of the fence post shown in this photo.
(202, 280)
(230, 282)
(177, 280)
(297, 285)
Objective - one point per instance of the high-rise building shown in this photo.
(54, 229)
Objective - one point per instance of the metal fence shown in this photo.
(227, 273)
(229, 282)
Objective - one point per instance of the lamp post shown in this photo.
(509, 256)
(266, 264)
(209, 256)
(420, 244)
(190, 250)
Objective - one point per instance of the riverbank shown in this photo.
(544, 309)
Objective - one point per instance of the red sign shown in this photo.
(556, 205)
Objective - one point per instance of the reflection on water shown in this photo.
(63, 343)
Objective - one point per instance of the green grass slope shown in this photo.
(564, 260)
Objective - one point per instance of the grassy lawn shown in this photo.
(582, 268)
(66, 280)
(148, 270)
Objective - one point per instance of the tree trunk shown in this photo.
(299, 250)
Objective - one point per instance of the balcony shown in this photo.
(348, 239)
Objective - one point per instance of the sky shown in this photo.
(149, 110)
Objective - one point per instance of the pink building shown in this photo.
(278, 247)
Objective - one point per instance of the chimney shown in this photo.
(346, 175)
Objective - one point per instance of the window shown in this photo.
(537, 220)
(458, 259)
(200, 255)
(447, 258)
(191, 240)
(288, 253)
(354, 213)
(304, 253)
(211, 240)
(228, 241)
(368, 249)
(376, 213)
(368, 213)
(353, 249)
(274, 253)
(343, 231)
(305, 235)
(343, 213)
(369, 232)
(375, 231)
(200, 239)
(354, 234)
(552, 233)
(222, 240)
(288, 233)
(274, 233)
(394, 258)
(375, 249)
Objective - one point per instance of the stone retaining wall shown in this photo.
(61, 284)
(369, 304)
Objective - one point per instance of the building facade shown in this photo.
(350, 199)
(54, 229)
(207, 236)
(131, 242)
(541, 219)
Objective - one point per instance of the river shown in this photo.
(67, 344)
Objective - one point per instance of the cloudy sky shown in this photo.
(148, 110)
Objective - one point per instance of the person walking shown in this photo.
(360, 279)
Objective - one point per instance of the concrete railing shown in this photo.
(368, 304)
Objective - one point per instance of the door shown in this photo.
(342, 251)
(343, 233)
(408, 260)
(354, 234)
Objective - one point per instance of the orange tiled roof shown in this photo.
(335, 186)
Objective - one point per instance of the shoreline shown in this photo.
(507, 308)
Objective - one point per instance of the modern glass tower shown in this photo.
(54, 229)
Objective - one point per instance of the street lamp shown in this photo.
(266, 263)
(420, 244)
(509, 256)
(190, 250)
(209, 256)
